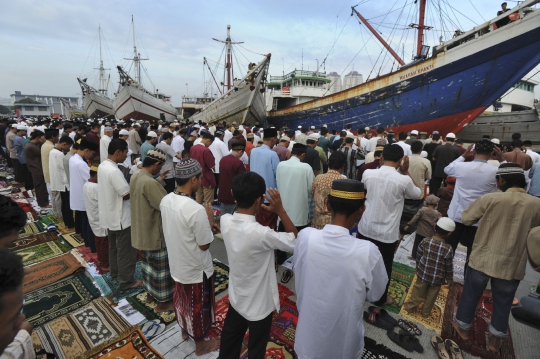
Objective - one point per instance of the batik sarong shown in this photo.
(156, 275)
(194, 306)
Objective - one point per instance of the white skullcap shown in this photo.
(151, 134)
(123, 132)
(447, 224)
(496, 141)
(450, 135)
(414, 132)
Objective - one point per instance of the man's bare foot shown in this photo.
(149, 298)
(164, 306)
(389, 300)
(137, 284)
(494, 343)
(206, 346)
(463, 334)
(185, 335)
(71, 229)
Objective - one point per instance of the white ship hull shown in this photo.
(243, 104)
(97, 106)
(132, 102)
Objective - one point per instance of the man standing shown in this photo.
(518, 156)
(187, 227)
(165, 147)
(59, 181)
(442, 156)
(19, 143)
(386, 191)
(352, 156)
(264, 162)
(51, 138)
(373, 142)
(177, 144)
(473, 180)
(104, 143)
(335, 274)
(134, 140)
(420, 170)
(10, 146)
(402, 137)
(35, 166)
(204, 156)
(147, 230)
(282, 148)
(413, 137)
(499, 253)
(527, 145)
(219, 149)
(150, 143)
(93, 135)
(115, 215)
(430, 146)
(302, 136)
(231, 165)
(311, 156)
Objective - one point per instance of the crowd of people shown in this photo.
(341, 201)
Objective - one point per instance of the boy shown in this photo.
(433, 267)
(250, 246)
(426, 217)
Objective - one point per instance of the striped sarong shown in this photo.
(156, 275)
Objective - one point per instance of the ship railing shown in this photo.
(298, 73)
(489, 26)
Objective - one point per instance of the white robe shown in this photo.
(335, 273)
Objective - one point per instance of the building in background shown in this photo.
(352, 79)
(33, 109)
(52, 103)
(335, 84)
(518, 98)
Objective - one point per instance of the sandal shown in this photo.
(375, 320)
(438, 344)
(417, 330)
(383, 314)
(406, 327)
(415, 344)
(287, 275)
(400, 340)
(152, 328)
(453, 349)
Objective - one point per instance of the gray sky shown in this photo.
(46, 45)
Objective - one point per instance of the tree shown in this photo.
(4, 110)
(27, 100)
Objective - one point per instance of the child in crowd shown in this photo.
(426, 218)
(446, 194)
(433, 268)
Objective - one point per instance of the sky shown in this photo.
(46, 45)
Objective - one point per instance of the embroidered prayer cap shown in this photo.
(123, 133)
(156, 154)
(269, 132)
(432, 199)
(509, 169)
(447, 224)
(108, 129)
(298, 149)
(240, 145)
(484, 146)
(347, 189)
(187, 168)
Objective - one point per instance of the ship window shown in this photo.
(42, 108)
(29, 108)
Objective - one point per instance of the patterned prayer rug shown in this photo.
(57, 299)
(148, 309)
(133, 345)
(459, 264)
(50, 271)
(32, 228)
(110, 287)
(42, 252)
(48, 219)
(435, 319)
(75, 240)
(80, 333)
(33, 240)
(221, 276)
(477, 345)
(400, 283)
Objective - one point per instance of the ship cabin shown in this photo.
(294, 88)
(193, 104)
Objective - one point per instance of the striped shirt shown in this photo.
(434, 261)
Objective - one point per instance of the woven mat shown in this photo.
(33, 240)
(75, 240)
(460, 257)
(221, 276)
(80, 333)
(477, 345)
(402, 276)
(43, 251)
(435, 319)
(32, 228)
(50, 271)
(57, 299)
(110, 287)
(133, 345)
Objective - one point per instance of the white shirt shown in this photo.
(59, 180)
(90, 190)
(104, 147)
(127, 162)
(535, 156)
(473, 180)
(406, 148)
(335, 273)
(386, 191)
(115, 213)
(228, 135)
(177, 145)
(253, 290)
(219, 150)
(20, 348)
(370, 157)
(291, 144)
(372, 143)
(186, 227)
(79, 173)
(72, 135)
(198, 141)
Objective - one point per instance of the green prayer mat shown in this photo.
(43, 251)
(57, 299)
(221, 276)
(50, 219)
(148, 309)
(32, 228)
(402, 277)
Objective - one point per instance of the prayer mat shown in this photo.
(87, 254)
(50, 271)
(42, 252)
(221, 276)
(435, 319)
(75, 240)
(82, 332)
(148, 309)
(45, 304)
(63, 229)
(372, 350)
(460, 257)
(133, 345)
(110, 288)
(51, 218)
(33, 240)
(400, 283)
(477, 345)
(32, 228)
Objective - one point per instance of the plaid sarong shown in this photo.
(156, 275)
(194, 306)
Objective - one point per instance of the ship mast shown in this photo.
(421, 27)
(102, 79)
(136, 56)
(228, 60)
